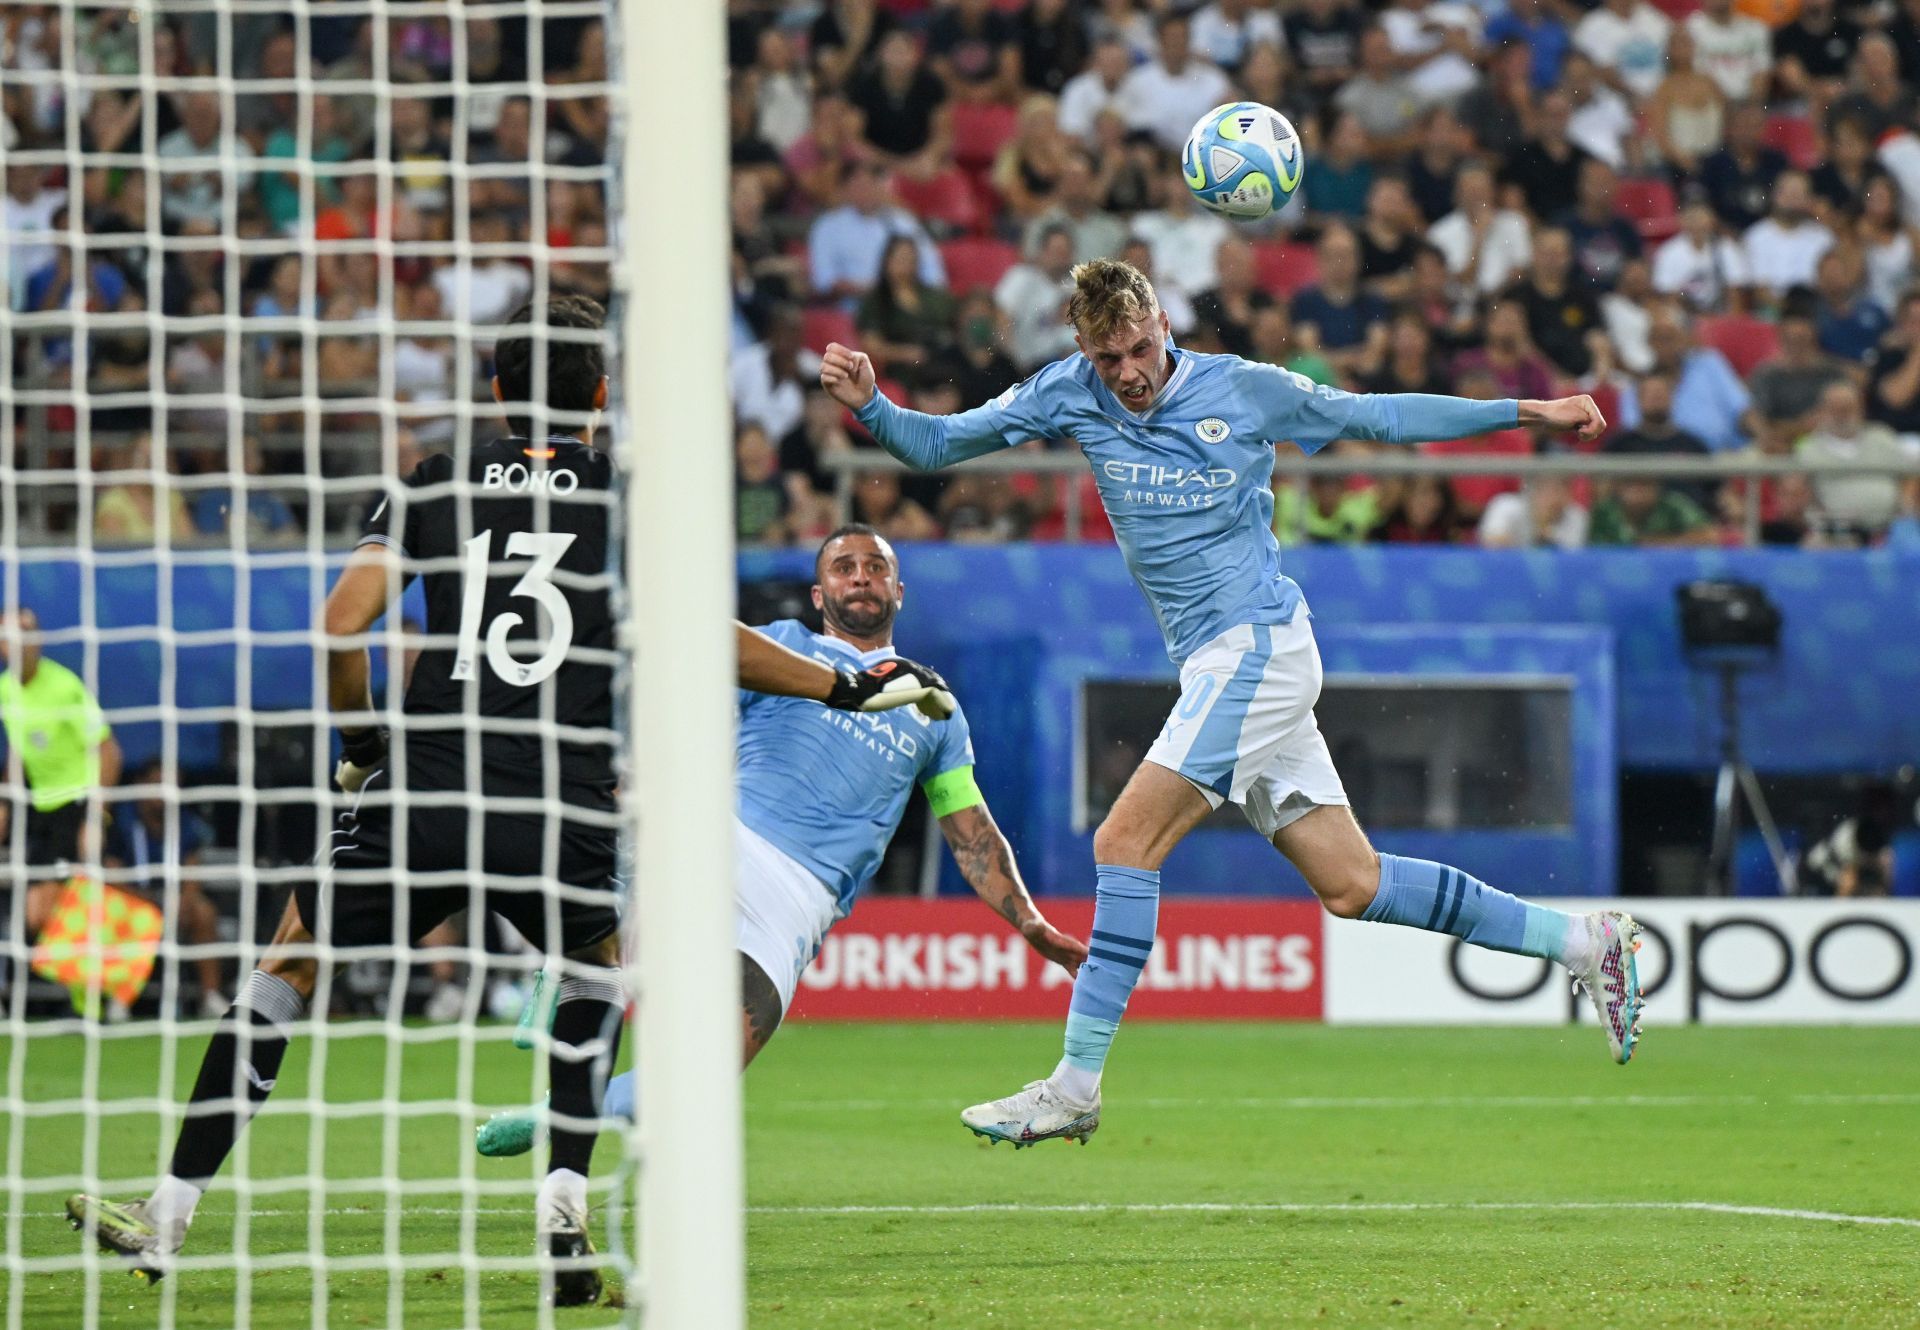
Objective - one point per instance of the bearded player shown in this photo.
(821, 794)
(1181, 447)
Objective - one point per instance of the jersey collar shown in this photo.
(554, 443)
(865, 658)
(1182, 368)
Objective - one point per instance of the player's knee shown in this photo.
(1347, 891)
(760, 1007)
(300, 973)
(1117, 842)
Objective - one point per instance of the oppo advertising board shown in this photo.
(1779, 962)
(1773, 962)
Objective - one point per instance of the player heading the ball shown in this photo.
(1181, 447)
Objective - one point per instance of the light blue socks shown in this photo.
(1423, 894)
(618, 1100)
(1126, 908)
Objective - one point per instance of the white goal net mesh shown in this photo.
(257, 254)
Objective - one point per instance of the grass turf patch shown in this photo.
(1245, 1175)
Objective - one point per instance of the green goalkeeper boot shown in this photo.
(511, 1133)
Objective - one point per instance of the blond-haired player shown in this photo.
(1181, 446)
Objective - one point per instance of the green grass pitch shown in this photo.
(1245, 1176)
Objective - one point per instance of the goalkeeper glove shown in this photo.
(893, 683)
(360, 752)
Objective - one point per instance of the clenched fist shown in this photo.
(847, 375)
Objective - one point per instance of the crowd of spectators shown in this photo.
(266, 213)
(1703, 212)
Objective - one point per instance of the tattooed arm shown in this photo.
(986, 861)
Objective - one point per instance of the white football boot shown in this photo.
(126, 1229)
(1612, 979)
(570, 1276)
(1038, 1113)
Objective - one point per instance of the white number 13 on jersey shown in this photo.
(546, 549)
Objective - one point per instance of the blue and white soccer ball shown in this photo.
(1243, 160)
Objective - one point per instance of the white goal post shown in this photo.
(680, 575)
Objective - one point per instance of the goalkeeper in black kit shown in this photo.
(510, 711)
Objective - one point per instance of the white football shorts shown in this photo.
(1244, 729)
(784, 910)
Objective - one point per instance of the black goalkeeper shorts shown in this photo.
(365, 910)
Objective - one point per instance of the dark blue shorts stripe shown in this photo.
(1120, 940)
(1126, 962)
(1215, 751)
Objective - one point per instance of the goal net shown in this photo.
(258, 253)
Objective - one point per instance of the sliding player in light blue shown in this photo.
(1181, 446)
(821, 792)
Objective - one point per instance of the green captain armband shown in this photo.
(952, 791)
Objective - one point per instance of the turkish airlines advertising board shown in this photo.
(1754, 962)
(896, 959)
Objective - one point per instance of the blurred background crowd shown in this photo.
(1704, 216)
(356, 229)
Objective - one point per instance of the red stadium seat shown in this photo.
(975, 265)
(820, 324)
(1795, 136)
(980, 129)
(946, 199)
(1282, 269)
(1473, 492)
(1650, 205)
(1745, 341)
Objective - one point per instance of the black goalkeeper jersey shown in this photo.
(515, 558)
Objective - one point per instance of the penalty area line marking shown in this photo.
(1340, 1207)
(1178, 1207)
(1314, 1102)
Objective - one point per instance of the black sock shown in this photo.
(253, 1040)
(586, 1038)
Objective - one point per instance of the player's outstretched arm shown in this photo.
(1294, 407)
(923, 442)
(357, 600)
(1429, 417)
(768, 667)
(986, 861)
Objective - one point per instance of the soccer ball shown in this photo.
(1243, 160)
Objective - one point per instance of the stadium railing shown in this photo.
(1297, 469)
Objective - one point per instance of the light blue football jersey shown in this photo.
(1186, 483)
(828, 788)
